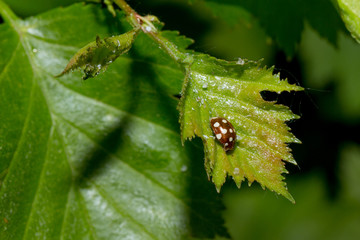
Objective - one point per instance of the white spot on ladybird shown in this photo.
(231, 139)
(223, 130)
(224, 121)
(218, 136)
(216, 124)
(230, 130)
(226, 144)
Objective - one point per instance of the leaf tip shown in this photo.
(218, 188)
(60, 74)
(290, 198)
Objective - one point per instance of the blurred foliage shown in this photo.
(283, 20)
(327, 67)
(326, 183)
(257, 215)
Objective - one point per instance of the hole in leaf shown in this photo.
(291, 99)
(269, 96)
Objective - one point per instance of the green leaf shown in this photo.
(96, 56)
(350, 13)
(100, 159)
(283, 20)
(232, 90)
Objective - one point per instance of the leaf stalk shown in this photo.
(138, 21)
(7, 14)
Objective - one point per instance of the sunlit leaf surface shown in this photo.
(232, 90)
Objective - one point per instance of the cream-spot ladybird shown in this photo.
(224, 132)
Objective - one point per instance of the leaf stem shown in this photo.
(130, 13)
(7, 14)
(125, 7)
(170, 48)
(137, 21)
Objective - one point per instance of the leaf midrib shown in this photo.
(42, 173)
(9, 61)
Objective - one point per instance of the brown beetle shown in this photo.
(224, 132)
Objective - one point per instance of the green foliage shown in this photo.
(103, 159)
(100, 159)
(350, 13)
(222, 89)
(232, 90)
(283, 20)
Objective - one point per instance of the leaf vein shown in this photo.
(119, 210)
(264, 125)
(114, 109)
(42, 173)
(163, 187)
(9, 61)
(26, 123)
(85, 212)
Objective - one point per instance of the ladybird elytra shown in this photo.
(224, 132)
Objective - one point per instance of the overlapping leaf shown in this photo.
(97, 159)
(283, 20)
(217, 88)
(350, 13)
